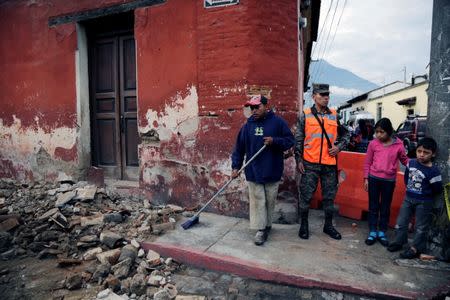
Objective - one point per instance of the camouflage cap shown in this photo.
(320, 88)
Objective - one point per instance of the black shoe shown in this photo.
(382, 238)
(332, 232)
(371, 239)
(394, 247)
(409, 254)
(303, 232)
(268, 229)
(261, 237)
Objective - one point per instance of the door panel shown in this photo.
(128, 108)
(114, 107)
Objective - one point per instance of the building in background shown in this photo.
(396, 101)
(148, 90)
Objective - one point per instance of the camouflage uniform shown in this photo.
(314, 172)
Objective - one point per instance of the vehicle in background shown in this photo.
(411, 131)
(358, 115)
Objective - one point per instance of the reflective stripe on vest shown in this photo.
(315, 148)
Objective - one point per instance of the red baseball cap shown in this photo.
(256, 100)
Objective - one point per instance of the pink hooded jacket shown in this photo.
(382, 161)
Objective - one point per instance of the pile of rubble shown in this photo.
(80, 223)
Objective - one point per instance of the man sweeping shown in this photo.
(263, 175)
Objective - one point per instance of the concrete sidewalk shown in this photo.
(226, 244)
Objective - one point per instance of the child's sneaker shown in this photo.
(372, 238)
(382, 238)
(394, 247)
(409, 253)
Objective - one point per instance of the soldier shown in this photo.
(319, 138)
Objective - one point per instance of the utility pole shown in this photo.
(438, 123)
(404, 74)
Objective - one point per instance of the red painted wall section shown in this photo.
(195, 72)
(195, 69)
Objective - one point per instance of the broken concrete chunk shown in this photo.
(110, 239)
(138, 285)
(128, 251)
(172, 290)
(153, 258)
(86, 194)
(64, 198)
(65, 187)
(110, 256)
(101, 271)
(160, 228)
(60, 220)
(155, 280)
(74, 282)
(113, 218)
(89, 239)
(64, 178)
(9, 224)
(122, 269)
(141, 253)
(91, 253)
(48, 214)
(112, 283)
(91, 220)
(175, 208)
(135, 243)
(47, 236)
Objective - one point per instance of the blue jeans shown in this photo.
(423, 210)
(380, 198)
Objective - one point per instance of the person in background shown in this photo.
(362, 136)
(263, 175)
(423, 181)
(319, 139)
(380, 171)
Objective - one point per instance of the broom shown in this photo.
(194, 219)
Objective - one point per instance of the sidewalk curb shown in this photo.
(256, 271)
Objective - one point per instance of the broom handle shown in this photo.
(229, 181)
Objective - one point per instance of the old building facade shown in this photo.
(148, 90)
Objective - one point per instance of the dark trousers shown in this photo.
(423, 211)
(380, 198)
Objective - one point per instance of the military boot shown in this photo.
(329, 229)
(303, 233)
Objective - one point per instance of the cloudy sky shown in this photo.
(376, 39)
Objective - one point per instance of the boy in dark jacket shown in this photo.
(423, 181)
(264, 173)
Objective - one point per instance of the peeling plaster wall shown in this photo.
(40, 125)
(28, 153)
(193, 77)
(194, 71)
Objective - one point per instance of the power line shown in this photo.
(321, 30)
(334, 36)
(326, 41)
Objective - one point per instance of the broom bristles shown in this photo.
(190, 222)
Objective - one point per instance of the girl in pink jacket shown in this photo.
(380, 170)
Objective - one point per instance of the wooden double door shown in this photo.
(114, 105)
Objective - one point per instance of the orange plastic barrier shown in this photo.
(351, 198)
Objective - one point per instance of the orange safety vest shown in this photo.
(315, 145)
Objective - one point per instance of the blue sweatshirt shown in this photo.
(422, 182)
(268, 166)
